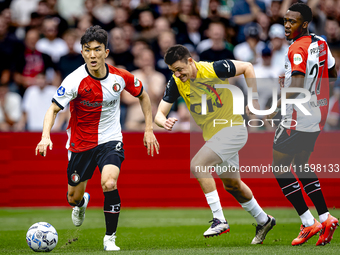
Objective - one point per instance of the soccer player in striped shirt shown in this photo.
(309, 64)
(95, 138)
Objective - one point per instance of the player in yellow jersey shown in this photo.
(191, 80)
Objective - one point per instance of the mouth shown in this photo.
(287, 33)
(93, 63)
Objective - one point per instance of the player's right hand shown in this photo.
(42, 146)
(169, 123)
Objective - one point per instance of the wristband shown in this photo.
(255, 95)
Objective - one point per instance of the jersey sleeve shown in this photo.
(132, 84)
(331, 59)
(66, 92)
(224, 68)
(171, 92)
(298, 58)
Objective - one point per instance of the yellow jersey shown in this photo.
(219, 101)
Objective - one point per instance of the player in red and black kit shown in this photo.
(309, 64)
(95, 139)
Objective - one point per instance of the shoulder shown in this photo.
(75, 78)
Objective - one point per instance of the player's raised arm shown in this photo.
(162, 112)
(49, 119)
(247, 70)
(149, 140)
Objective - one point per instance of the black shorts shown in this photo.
(292, 142)
(81, 165)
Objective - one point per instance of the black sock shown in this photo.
(311, 185)
(111, 211)
(291, 189)
(81, 203)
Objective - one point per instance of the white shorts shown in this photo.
(227, 142)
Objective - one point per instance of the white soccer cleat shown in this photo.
(217, 228)
(78, 213)
(110, 243)
(261, 231)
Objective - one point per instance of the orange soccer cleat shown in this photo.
(307, 232)
(328, 228)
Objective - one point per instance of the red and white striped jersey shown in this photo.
(310, 56)
(94, 105)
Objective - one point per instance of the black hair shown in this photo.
(175, 53)
(304, 10)
(94, 33)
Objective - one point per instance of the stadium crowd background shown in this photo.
(40, 46)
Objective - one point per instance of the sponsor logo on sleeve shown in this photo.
(136, 82)
(61, 91)
(297, 59)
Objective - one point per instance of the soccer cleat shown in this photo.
(217, 228)
(327, 231)
(78, 213)
(262, 230)
(110, 243)
(307, 232)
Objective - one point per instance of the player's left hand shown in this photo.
(42, 146)
(256, 106)
(150, 142)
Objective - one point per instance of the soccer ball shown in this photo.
(42, 236)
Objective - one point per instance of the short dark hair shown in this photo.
(304, 10)
(94, 33)
(175, 53)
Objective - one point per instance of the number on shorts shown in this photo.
(278, 132)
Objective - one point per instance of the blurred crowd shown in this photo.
(40, 46)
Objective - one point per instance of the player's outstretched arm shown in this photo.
(247, 69)
(49, 119)
(162, 112)
(149, 140)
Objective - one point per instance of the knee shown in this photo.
(109, 184)
(232, 186)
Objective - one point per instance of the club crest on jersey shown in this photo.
(116, 87)
(297, 59)
(75, 177)
(61, 91)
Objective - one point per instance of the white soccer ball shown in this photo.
(42, 236)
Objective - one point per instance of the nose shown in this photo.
(92, 55)
(177, 74)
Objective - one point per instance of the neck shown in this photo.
(194, 70)
(301, 35)
(100, 73)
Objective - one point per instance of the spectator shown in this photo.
(21, 11)
(185, 9)
(36, 101)
(10, 108)
(250, 50)
(121, 17)
(333, 33)
(52, 12)
(6, 50)
(103, 14)
(218, 49)
(192, 36)
(119, 49)
(278, 46)
(164, 41)
(51, 44)
(153, 82)
(72, 60)
(244, 12)
(216, 16)
(274, 13)
(30, 62)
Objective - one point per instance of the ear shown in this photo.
(107, 51)
(305, 25)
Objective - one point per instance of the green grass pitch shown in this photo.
(160, 231)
